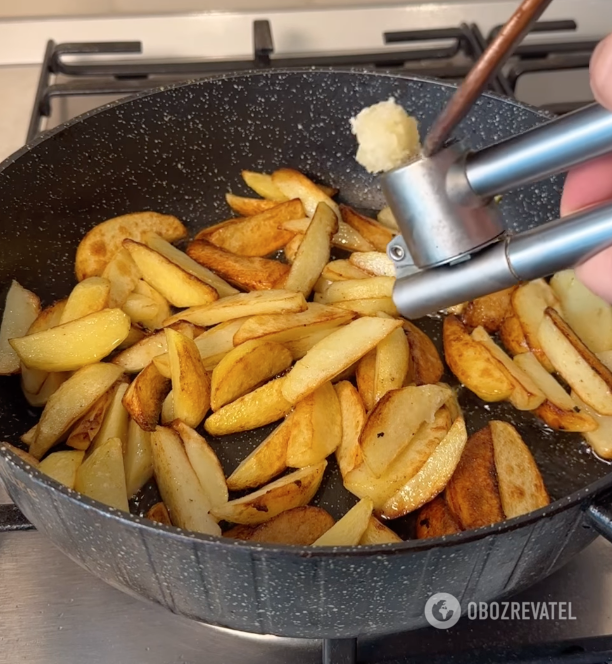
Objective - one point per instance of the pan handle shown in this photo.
(599, 515)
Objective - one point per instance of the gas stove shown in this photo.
(51, 610)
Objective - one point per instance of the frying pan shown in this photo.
(178, 150)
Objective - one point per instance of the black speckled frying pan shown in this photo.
(178, 151)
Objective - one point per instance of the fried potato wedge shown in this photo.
(116, 420)
(102, 477)
(104, 240)
(259, 235)
(138, 459)
(167, 412)
(248, 207)
(376, 263)
(299, 347)
(176, 285)
(559, 410)
(435, 520)
(247, 272)
(242, 305)
(190, 381)
(368, 307)
(291, 248)
(341, 270)
(473, 364)
(144, 397)
(345, 237)
(262, 184)
(386, 435)
(352, 410)
(163, 308)
(377, 533)
(425, 366)
(332, 355)
(349, 530)
(180, 258)
(293, 490)
(86, 429)
(520, 484)
(73, 345)
(489, 311)
(263, 406)
(386, 218)
(472, 494)
(204, 462)
(22, 454)
(316, 428)
(600, 439)
(376, 234)
(364, 375)
(526, 395)
(432, 477)
(123, 275)
(512, 336)
(63, 466)
(580, 368)
(87, 297)
(143, 311)
(289, 327)
(240, 532)
(293, 184)
(586, 313)
(360, 289)
(28, 437)
(245, 368)
(135, 335)
(49, 387)
(70, 402)
(300, 526)
(313, 253)
(21, 310)
(264, 463)
(392, 364)
(180, 489)
(159, 514)
(529, 302)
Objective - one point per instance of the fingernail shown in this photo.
(601, 72)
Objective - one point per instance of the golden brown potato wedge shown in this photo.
(87, 297)
(180, 258)
(115, 422)
(489, 311)
(28, 437)
(293, 490)
(242, 305)
(104, 240)
(559, 410)
(472, 494)
(248, 207)
(21, 310)
(348, 453)
(159, 514)
(512, 336)
(143, 311)
(162, 306)
(586, 313)
(167, 412)
(377, 533)
(425, 366)
(313, 252)
(247, 272)
(341, 270)
(71, 401)
(386, 218)
(263, 406)
(580, 368)
(299, 526)
(176, 285)
(262, 184)
(600, 439)
(240, 532)
(102, 477)
(526, 395)
(245, 368)
(63, 466)
(349, 530)
(144, 397)
(520, 484)
(316, 428)
(264, 463)
(473, 364)
(375, 263)
(295, 185)
(332, 355)
(138, 459)
(178, 484)
(22, 454)
(392, 364)
(345, 237)
(73, 345)
(291, 248)
(190, 381)
(359, 289)
(204, 462)
(368, 307)
(432, 477)
(299, 347)
(86, 429)
(123, 275)
(386, 435)
(435, 520)
(259, 235)
(364, 374)
(376, 234)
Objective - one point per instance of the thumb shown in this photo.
(601, 72)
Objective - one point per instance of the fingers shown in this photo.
(596, 274)
(601, 72)
(587, 185)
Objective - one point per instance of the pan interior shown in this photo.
(180, 150)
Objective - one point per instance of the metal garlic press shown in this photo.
(453, 245)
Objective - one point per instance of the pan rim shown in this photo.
(559, 505)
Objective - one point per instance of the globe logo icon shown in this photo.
(442, 610)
